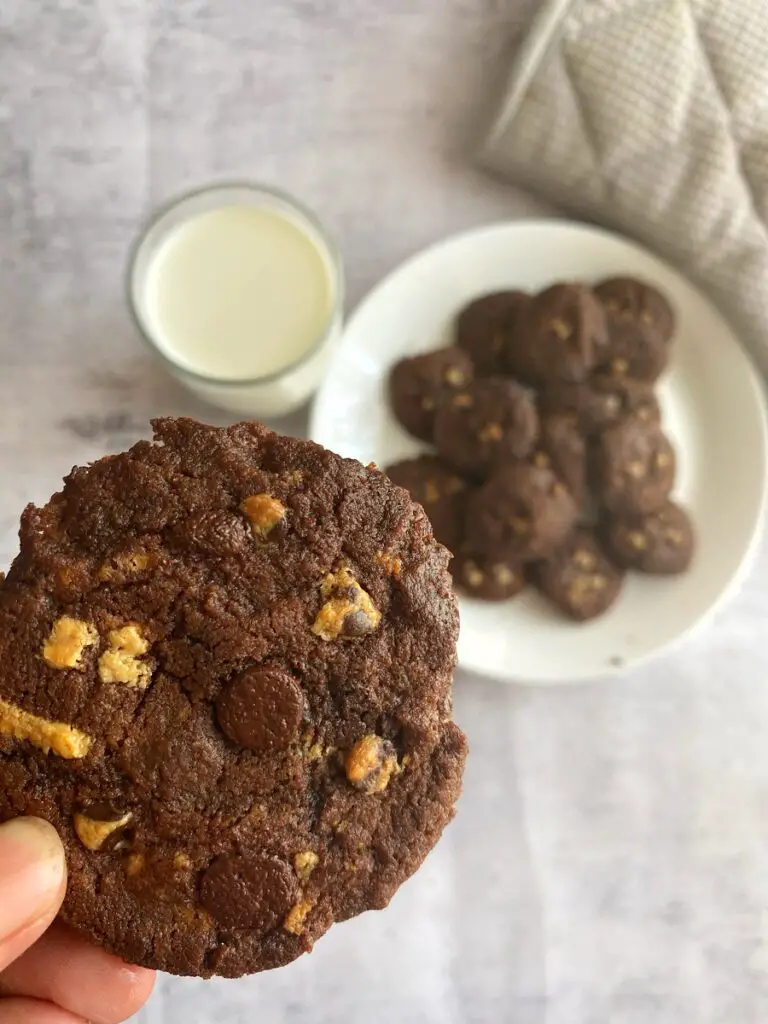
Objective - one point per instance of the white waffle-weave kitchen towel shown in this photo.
(651, 117)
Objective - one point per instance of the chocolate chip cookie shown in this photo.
(482, 329)
(486, 424)
(560, 334)
(522, 513)
(631, 299)
(487, 579)
(601, 400)
(562, 447)
(640, 325)
(579, 578)
(662, 543)
(419, 384)
(227, 662)
(436, 486)
(635, 470)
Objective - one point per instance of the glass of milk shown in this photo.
(239, 290)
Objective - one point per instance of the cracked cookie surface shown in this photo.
(227, 661)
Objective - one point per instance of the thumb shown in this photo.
(33, 876)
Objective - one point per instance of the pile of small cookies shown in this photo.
(551, 464)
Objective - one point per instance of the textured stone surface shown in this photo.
(621, 873)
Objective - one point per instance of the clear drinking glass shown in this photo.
(274, 394)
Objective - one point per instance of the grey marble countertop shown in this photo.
(609, 864)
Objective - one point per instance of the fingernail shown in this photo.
(32, 872)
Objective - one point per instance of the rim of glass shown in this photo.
(305, 213)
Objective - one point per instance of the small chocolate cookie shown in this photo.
(522, 513)
(562, 448)
(561, 333)
(635, 470)
(579, 578)
(418, 384)
(640, 326)
(485, 578)
(601, 400)
(486, 424)
(662, 542)
(483, 326)
(443, 494)
(226, 681)
(631, 299)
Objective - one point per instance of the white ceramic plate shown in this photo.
(714, 412)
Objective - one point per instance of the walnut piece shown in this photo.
(503, 575)
(134, 864)
(455, 376)
(93, 833)
(305, 863)
(391, 563)
(121, 663)
(561, 329)
(463, 401)
(584, 559)
(69, 638)
(347, 612)
(297, 916)
(371, 763)
(126, 564)
(491, 432)
(473, 576)
(62, 739)
(263, 512)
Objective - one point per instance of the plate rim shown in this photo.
(757, 386)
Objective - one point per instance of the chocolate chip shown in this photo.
(248, 891)
(261, 709)
(357, 624)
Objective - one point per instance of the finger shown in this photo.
(64, 969)
(32, 1011)
(33, 877)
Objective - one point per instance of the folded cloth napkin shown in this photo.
(651, 116)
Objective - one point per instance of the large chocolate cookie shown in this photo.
(226, 680)
(485, 425)
(483, 327)
(662, 543)
(579, 578)
(640, 326)
(561, 333)
(436, 487)
(522, 513)
(418, 385)
(635, 470)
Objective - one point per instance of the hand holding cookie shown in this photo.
(52, 976)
